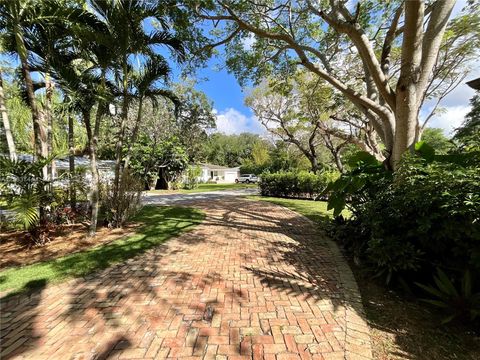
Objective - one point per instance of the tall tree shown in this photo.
(156, 69)
(16, 18)
(125, 19)
(6, 123)
(393, 47)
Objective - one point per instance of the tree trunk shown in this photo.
(133, 138)
(71, 163)
(49, 121)
(407, 104)
(39, 134)
(38, 130)
(6, 124)
(338, 161)
(121, 132)
(94, 193)
(314, 163)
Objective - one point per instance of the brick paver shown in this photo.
(254, 281)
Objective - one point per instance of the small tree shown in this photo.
(191, 177)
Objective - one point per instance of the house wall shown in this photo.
(224, 176)
(230, 176)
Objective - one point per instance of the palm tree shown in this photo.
(16, 17)
(6, 123)
(81, 87)
(144, 83)
(125, 19)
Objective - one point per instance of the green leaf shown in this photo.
(444, 283)
(363, 157)
(431, 290)
(425, 151)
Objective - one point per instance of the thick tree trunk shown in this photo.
(6, 124)
(71, 163)
(338, 161)
(407, 104)
(94, 193)
(314, 163)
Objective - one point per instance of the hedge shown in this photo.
(302, 185)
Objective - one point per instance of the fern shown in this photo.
(25, 208)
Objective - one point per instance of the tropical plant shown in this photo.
(22, 190)
(191, 177)
(459, 300)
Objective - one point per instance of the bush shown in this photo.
(305, 185)
(118, 208)
(191, 177)
(407, 224)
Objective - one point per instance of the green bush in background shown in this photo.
(303, 184)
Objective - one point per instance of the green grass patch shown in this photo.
(157, 225)
(211, 187)
(314, 210)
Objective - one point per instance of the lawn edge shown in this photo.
(7, 294)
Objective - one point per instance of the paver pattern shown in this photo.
(255, 280)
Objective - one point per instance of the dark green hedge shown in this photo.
(304, 185)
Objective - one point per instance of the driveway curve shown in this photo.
(254, 280)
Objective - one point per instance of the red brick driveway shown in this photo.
(255, 280)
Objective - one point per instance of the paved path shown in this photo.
(172, 199)
(255, 280)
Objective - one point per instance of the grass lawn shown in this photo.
(208, 187)
(314, 210)
(157, 225)
(401, 328)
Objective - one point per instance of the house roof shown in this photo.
(79, 161)
(474, 84)
(217, 167)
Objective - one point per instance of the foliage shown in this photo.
(408, 223)
(468, 135)
(119, 207)
(149, 157)
(435, 138)
(22, 191)
(191, 177)
(458, 299)
(158, 224)
(229, 150)
(295, 185)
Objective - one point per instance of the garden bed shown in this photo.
(65, 239)
(156, 224)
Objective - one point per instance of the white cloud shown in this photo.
(450, 119)
(232, 121)
(248, 41)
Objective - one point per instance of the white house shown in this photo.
(218, 174)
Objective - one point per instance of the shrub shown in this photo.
(406, 224)
(26, 195)
(118, 208)
(191, 177)
(303, 184)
